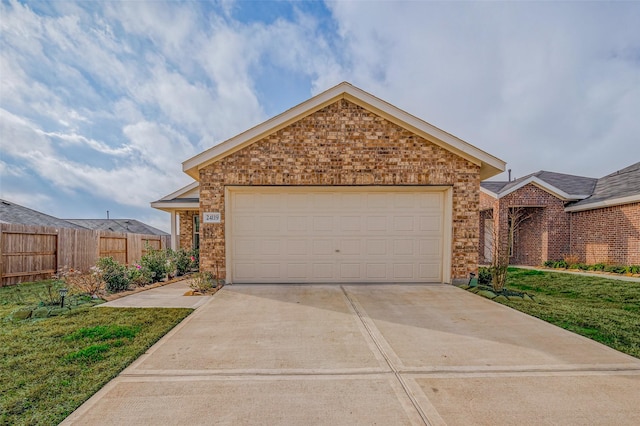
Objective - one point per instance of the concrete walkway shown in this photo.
(167, 296)
(378, 354)
(585, 274)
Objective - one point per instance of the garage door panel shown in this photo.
(323, 223)
(323, 272)
(429, 272)
(350, 223)
(243, 225)
(377, 247)
(333, 235)
(350, 271)
(376, 223)
(323, 247)
(430, 247)
(297, 271)
(376, 271)
(404, 247)
(297, 247)
(432, 223)
(298, 224)
(350, 247)
(403, 223)
(271, 247)
(403, 271)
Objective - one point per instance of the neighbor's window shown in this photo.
(196, 231)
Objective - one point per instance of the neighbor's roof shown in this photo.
(489, 165)
(15, 213)
(621, 187)
(130, 226)
(563, 186)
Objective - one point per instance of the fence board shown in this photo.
(29, 253)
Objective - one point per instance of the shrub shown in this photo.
(195, 259)
(156, 262)
(561, 264)
(181, 260)
(634, 269)
(203, 282)
(484, 276)
(616, 269)
(113, 274)
(597, 267)
(138, 275)
(549, 263)
(89, 283)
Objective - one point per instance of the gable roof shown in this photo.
(489, 165)
(127, 226)
(187, 197)
(15, 213)
(620, 187)
(563, 186)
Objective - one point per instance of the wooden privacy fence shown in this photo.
(29, 253)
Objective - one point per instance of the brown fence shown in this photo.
(29, 253)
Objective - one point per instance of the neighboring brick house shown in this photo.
(595, 220)
(341, 188)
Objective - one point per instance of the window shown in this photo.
(196, 231)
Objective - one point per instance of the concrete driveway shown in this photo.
(376, 354)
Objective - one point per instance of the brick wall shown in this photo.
(186, 228)
(344, 144)
(607, 235)
(544, 236)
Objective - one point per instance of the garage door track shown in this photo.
(375, 354)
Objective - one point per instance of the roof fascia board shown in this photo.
(605, 203)
(489, 193)
(427, 131)
(169, 207)
(545, 187)
(489, 165)
(181, 191)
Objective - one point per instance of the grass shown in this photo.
(49, 367)
(605, 310)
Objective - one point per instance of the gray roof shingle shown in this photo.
(131, 226)
(14, 213)
(623, 183)
(570, 184)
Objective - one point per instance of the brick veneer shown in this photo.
(186, 228)
(607, 235)
(544, 236)
(344, 144)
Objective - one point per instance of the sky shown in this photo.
(101, 102)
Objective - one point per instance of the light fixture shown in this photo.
(63, 292)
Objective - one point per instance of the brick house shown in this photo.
(341, 188)
(596, 220)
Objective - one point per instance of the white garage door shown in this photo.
(329, 234)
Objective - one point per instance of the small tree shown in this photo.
(502, 248)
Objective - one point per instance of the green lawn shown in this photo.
(49, 367)
(605, 310)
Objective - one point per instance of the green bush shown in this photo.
(549, 263)
(156, 262)
(616, 269)
(634, 269)
(138, 275)
(598, 267)
(203, 282)
(484, 276)
(195, 259)
(180, 260)
(113, 274)
(561, 264)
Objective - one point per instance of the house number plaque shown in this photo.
(211, 217)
